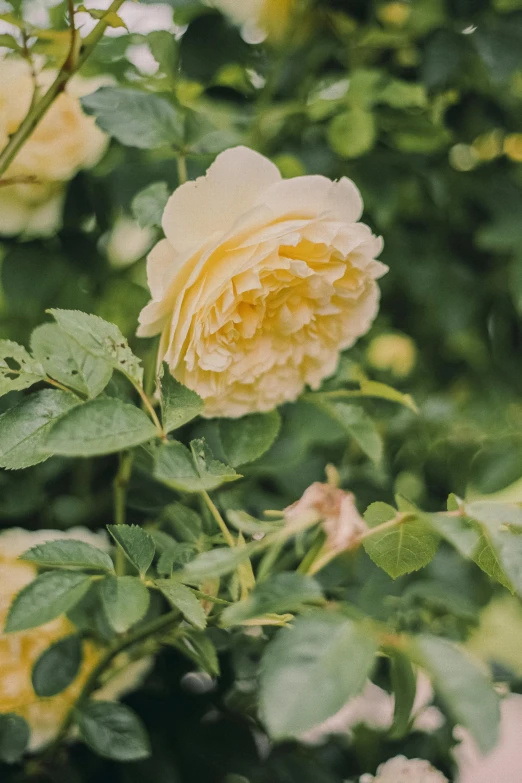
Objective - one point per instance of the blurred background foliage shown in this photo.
(420, 104)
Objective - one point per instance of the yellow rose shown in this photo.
(20, 651)
(260, 282)
(270, 17)
(65, 141)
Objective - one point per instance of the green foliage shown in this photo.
(107, 425)
(149, 204)
(125, 601)
(309, 672)
(179, 405)
(246, 439)
(113, 731)
(48, 596)
(57, 667)
(136, 543)
(190, 471)
(18, 370)
(69, 554)
(285, 592)
(14, 737)
(135, 118)
(182, 598)
(358, 425)
(25, 427)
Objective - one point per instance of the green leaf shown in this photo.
(378, 513)
(403, 548)
(464, 688)
(125, 601)
(113, 731)
(179, 405)
(352, 133)
(18, 370)
(404, 687)
(46, 597)
(175, 466)
(488, 560)
(457, 531)
(283, 592)
(246, 439)
(215, 563)
(102, 426)
(163, 46)
(182, 598)
(100, 339)
(493, 514)
(136, 543)
(384, 392)
(184, 522)
(199, 649)
(135, 118)
(24, 427)
(57, 667)
(65, 360)
(149, 204)
(508, 549)
(248, 524)
(356, 423)
(14, 737)
(176, 555)
(310, 671)
(68, 553)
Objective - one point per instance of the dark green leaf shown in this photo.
(46, 597)
(179, 405)
(57, 667)
(136, 543)
(14, 737)
(24, 428)
(101, 426)
(149, 204)
(246, 439)
(177, 467)
(69, 553)
(404, 686)
(135, 118)
(182, 598)
(358, 425)
(113, 731)
(125, 601)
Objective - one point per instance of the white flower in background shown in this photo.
(20, 651)
(128, 242)
(337, 511)
(403, 770)
(259, 18)
(65, 141)
(260, 282)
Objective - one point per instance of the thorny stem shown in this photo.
(72, 64)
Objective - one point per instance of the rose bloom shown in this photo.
(20, 651)
(403, 770)
(271, 18)
(337, 511)
(259, 283)
(65, 141)
(395, 353)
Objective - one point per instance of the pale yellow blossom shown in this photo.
(403, 770)
(395, 353)
(260, 282)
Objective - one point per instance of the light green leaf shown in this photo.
(100, 339)
(352, 133)
(67, 362)
(384, 392)
(149, 204)
(101, 426)
(404, 687)
(179, 405)
(24, 427)
(46, 597)
(310, 671)
(403, 548)
(175, 466)
(14, 737)
(464, 688)
(57, 667)
(135, 118)
(176, 555)
(113, 731)
(68, 553)
(456, 531)
(248, 524)
(136, 543)
(493, 514)
(488, 560)
(248, 438)
(184, 522)
(283, 592)
(125, 601)
(182, 598)
(18, 370)
(216, 562)
(507, 544)
(378, 513)
(356, 423)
